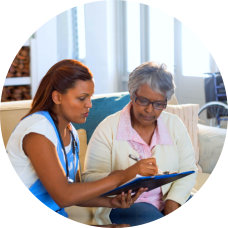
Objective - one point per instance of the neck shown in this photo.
(63, 126)
(145, 128)
(62, 123)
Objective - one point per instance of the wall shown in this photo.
(101, 45)
(190, 90)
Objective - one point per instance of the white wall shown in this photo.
(101, 45)
(190, 90)
(51, 43)
(44, 52)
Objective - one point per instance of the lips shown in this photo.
(86, 114)
(149, 118)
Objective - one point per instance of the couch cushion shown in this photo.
(11, 114)
(81, 214)
(211, 142)
(83, 146)
(200, 180)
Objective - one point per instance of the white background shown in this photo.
(19, 19)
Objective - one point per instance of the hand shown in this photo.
(126, 200)
(170, 206)
(146, 167)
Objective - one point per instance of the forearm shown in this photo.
(96, 202)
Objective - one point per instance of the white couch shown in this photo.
(207, 141)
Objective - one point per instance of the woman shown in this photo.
(143, 130)
(44, 146)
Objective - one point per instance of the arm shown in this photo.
(45, 161)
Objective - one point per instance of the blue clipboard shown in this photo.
(150, 182)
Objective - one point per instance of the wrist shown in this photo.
(130, 173)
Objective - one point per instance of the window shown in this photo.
(161, 37)
(78, 23)
(151, 35)
(132, 35)
(195, 57)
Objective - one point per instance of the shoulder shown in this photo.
(35, 123)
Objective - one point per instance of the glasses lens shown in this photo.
(159, 105)
(142, 101)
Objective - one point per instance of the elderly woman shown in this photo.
(143, 130)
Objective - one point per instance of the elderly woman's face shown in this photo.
(146, 114)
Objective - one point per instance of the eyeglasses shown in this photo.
(159, 105)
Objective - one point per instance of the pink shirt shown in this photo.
(160, 136)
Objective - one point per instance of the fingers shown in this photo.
(148, 167)
(126, 199)
(129, 199)
(151, 170)
(150, 161)
(138, 193)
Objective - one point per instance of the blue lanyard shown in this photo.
(74, 146)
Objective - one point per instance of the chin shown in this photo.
(148, 122)
(81, 121)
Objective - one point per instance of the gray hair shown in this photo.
(156, 76)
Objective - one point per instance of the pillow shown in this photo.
(211, 142)
(188, 113)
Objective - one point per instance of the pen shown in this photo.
(137, 159)
(133, 157)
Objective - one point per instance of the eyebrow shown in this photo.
(86, 94)
(152, 101)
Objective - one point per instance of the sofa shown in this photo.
(207, 141)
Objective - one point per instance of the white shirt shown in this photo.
(35, 123)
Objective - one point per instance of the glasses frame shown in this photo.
(151, 102)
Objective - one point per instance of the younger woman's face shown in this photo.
(76, 102)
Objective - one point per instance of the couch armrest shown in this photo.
(211, 141)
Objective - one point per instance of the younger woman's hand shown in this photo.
(125, 200)
(146, 167)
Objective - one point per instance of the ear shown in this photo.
(56, 97)
(132, 98)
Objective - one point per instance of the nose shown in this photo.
(89, 103)
(149, 108)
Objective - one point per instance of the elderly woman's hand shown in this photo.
(170, 206)
(125, 200)
(146, 167)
